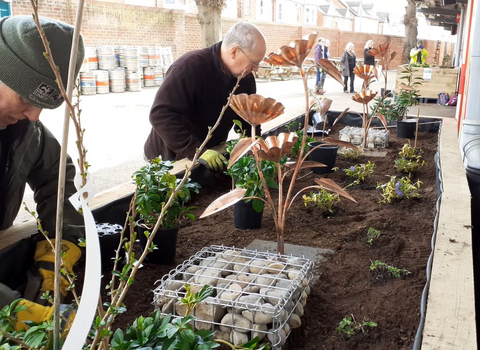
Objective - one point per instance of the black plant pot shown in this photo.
(325, 154)
(109, 238)
(245, 217)
(166, 242)
(406, 128)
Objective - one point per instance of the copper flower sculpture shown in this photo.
(384, 53)
(257, 110)
(364, 98)
(367, 73)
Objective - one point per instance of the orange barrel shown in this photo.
(101, 77)
(91, 55)
(149, 76)
(158, 76)
(106, 57)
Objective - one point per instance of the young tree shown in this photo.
(210, 19)
(411, 31)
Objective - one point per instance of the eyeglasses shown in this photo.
(254, 64)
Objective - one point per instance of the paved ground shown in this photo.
(117, 124)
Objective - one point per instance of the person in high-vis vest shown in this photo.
(418, 55)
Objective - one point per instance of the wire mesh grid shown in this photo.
(376, 138)
(255, 293)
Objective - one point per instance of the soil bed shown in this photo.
(343, 284)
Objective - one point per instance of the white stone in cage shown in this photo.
(255, 293)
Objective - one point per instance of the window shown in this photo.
(279, 12)
(261, 8)
(264, 10)
(148, 3)
(171, 4)
(246, 7)
(298, 11)
(310, 15)
(5, 9)
(230, 9)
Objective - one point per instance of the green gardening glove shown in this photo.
(213, 160)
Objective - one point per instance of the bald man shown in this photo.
(195, 89)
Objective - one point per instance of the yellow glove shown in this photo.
(45, 262)
(213, 160)
(38, 313)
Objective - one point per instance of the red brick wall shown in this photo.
(113, 23)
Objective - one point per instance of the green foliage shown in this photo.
(382, 268)
(446, 61)
(324, 200)
(295, 127)
(155, 185)
(409, 160)
(372, 234)
(191, 299)
(360, 172)
(245, 175)
(420, 65)
(401, 189)
(387, 107)
(351, 154)
(407, 98)
(349, 326)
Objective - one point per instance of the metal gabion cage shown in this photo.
(256, 294)
(376, 138)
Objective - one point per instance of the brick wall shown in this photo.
(114, 23)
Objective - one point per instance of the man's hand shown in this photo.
(45, 263)
(213, 160)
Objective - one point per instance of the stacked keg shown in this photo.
(121, 68)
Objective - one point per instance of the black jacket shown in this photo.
(29, 153)
(367, 58)
(189, 101)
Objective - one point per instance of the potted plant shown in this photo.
(155, 185)
(407, 98)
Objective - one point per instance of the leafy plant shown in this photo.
(351, 154)
(349, 326)
(446, 61)
(401, 189)
(372, 234)
(386, 107)
(408, 95)
(382, 268)
(323, 199)
(245, 175)
(155, 185)
(409, 160)
(360, 172)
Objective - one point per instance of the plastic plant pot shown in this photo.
(326, 155)
(406, 128)
(245, 217)
(166, 242)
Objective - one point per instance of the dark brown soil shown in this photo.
(343, 285)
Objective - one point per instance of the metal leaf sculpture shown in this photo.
(341, 115)
(275, 147)
(240, 149)
(294, 54)
(306, 164)
(367, 73)
(224, 201)
(407, 88)
(332, 186)
(329, 68)
(256, 109)
(364, 97)
(384, 53)
(325, 105)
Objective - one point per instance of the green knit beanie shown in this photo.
(24, 68)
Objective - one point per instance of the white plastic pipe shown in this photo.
(472, 114)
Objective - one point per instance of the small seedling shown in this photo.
(324, 200)
(372, 234)
(409, 160)
(295, 127)
(401, 189)
(383, 269)
(360, 172)
(349, 326)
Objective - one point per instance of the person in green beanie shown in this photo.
(29, 153)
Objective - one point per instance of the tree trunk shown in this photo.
(210, 19)
(411, 30)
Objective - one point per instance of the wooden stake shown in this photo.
(416, 127)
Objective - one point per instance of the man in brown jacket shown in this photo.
(195, 89)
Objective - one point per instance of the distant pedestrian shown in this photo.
(418, 55)
(348, 62)
(319, 55)
(367, 58)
